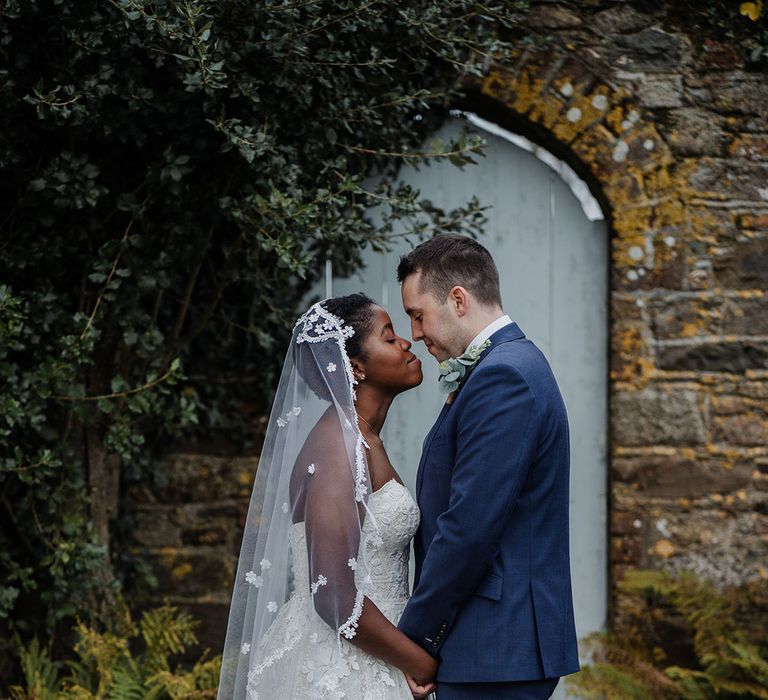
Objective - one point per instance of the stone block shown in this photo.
(739, 93)
(746, 429)
(625, 522)
(745, 316)
(753, 220)
(725, 356)
(621, 19)
(666, 274)
(204, 535)
(744, 266)
(696, 132)
(753, 147)
(553, 17)
(625, 550)
(719, 545)
(157, 526)
(719, 178)
(626, 309)
(709, 224)
(728, 405)
(683, 317)
(674, 477)
(656, 416)
(193, 571)
(194, 478)
(722, 56)
(661, 91)
(651, 50)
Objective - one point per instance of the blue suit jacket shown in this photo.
(492, 596)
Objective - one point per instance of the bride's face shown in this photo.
(389, 363)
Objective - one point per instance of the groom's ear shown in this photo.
(459, 300)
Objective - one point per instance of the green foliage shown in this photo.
(679, 638)
(105, 666)
(172, 178)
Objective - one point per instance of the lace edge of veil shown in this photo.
(318, 325)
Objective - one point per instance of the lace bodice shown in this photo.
(397, 516)
(302, 657)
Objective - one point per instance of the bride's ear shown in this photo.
(358, 371)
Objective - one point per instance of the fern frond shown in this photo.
(167, 631)
(103, 650)
(41, 674)
(76, 692)
(599, 681)
(127, 682)
(201, 683)
(177, 686)
(206, 673)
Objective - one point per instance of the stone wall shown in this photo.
(190, 531)
(670, 131)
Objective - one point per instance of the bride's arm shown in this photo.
(377, 636)
(333, 525)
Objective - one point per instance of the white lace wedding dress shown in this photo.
(302, 658)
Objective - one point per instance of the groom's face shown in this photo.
(431, 322)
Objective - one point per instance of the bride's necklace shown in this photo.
(370, 426)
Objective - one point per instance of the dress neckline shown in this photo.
(384, 486)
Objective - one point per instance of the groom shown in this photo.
(492, 596)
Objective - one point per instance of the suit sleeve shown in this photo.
(495, 447)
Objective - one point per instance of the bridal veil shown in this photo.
(313, 470)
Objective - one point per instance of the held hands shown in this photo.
(423, 682)
(420, 691)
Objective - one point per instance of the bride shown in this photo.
(323, 573)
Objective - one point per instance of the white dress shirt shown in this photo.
(489, 330)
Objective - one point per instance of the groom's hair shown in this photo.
(448, 260)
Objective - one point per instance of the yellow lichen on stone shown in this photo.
(627, 187)
(182, 570)
(663, 549)
(631, 220)
(547, 112)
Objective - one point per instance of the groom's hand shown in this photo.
(419, 691)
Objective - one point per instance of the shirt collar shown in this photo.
(489, 330)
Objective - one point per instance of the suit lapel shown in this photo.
(503, 335)
(427, 444)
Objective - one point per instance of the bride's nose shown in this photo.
(406, 344)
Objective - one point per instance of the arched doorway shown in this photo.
(553, 262)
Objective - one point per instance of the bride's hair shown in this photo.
(356, 310)
(353, 310)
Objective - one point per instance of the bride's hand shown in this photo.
(419, 691)
(425, 672)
